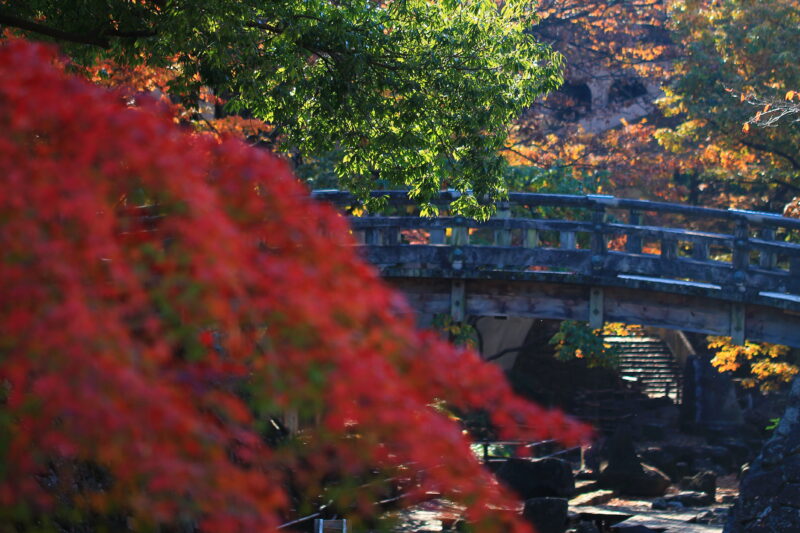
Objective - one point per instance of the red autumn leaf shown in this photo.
(112, 363)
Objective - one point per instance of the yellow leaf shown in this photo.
(746, 128)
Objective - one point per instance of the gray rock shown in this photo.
(538, 479)
(635, 480)
(626, 474)
(769, 494)
(705, 481)
(712, 516)
(548, 515)
(719, 456)
(675, 461)
(690, 498)
(662, 504)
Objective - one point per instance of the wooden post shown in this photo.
(634, 242)
(741, 256)
(566, 240)
(599, 243)
(371, 237)
(437, 236)
(460, 232)
(700, 251)
(737, 323)
(361, 237)
(531, 239)
(502, 237)
(596, 308)
(391, 236)
(767, 260)
(669, 248)
(457, 297)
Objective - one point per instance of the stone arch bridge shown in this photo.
(594, 258)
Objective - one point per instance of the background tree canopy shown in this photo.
(733, 52)
(409, 92)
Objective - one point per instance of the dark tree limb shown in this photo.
(100, 40)
(764, 148)
(41, 29)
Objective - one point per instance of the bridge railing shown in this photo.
(599, 236)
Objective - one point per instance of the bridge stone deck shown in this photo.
(595, 258)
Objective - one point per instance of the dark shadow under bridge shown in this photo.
(597, 259)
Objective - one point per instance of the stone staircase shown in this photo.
(648, 361)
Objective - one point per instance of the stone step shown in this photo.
(650, 363)
(640, 373)
(653, 368)
(645, 357)
(655, 347)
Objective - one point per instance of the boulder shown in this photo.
(705, 481)
(626, 474)
(690, 498)
(550, 477)
(548, 515)
(639, 480)
(662, 504)
(675, 461)
(770, 490)
(719, 456)
(681, 461)
(715, 516)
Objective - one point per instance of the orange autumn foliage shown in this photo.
(141, 79)
(764, 365)
(152, 344)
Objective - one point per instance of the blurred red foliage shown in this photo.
(156, 356)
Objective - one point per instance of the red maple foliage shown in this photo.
(150, 344)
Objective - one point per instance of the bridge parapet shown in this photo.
(731, 255)
(745, 251)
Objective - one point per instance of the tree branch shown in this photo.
(41, 29)
(100, 40)
(261, 25)
(764, 148)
